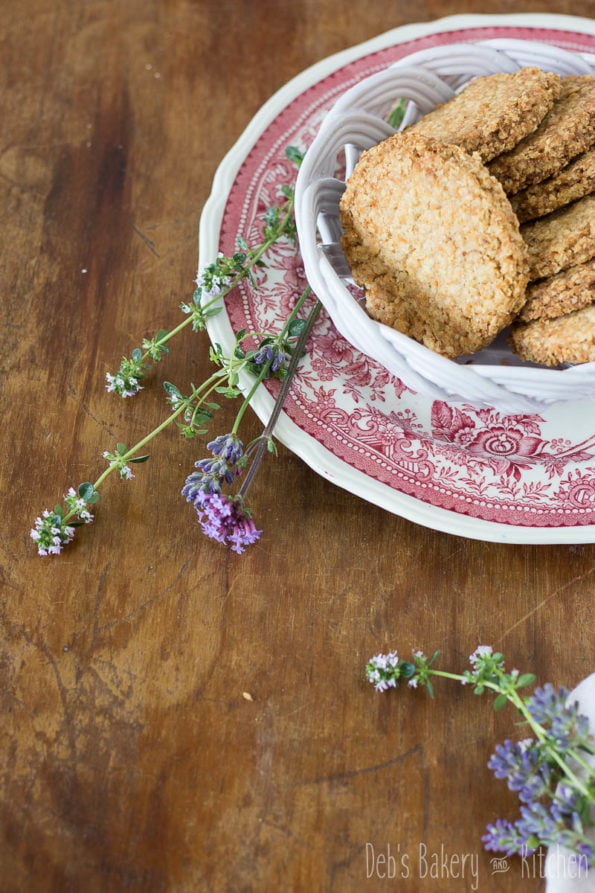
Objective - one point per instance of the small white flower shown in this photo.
(419, 654)
(413, 682)
(480, 651)
(126, 474)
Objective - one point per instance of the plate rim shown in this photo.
(299, 442)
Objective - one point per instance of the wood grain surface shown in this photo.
(131, 757)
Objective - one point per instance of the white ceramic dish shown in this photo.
(494, 377)
(520, 478)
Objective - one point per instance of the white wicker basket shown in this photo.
(495, 376)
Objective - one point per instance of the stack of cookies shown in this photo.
(482, 215)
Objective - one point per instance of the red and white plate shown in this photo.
(474, 472)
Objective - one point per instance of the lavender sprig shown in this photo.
(276, 355)
(554, 782)
(227, 519)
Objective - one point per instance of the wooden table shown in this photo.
(178, 717)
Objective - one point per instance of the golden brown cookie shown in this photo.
(493, 113)
(572, 182)
(566, 131)
(567, 339)
(562, 239)
(563, 293)
(434, 243)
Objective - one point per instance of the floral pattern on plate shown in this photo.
(526, 470)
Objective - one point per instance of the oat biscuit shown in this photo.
(562, 239)
(493, 112)
(434, 243)
(566, 131)
(557, 295)
(567, 339)
(572, 182)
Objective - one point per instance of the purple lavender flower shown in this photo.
(566, 726)
(565, 803)
(546, 702)
(504, 837)
(537, 822)
(585, 854)
(272, 353)
(228, 450)
(520, 763)
(228, 447)
(226, 520)
(217, 469)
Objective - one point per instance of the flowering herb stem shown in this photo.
(295, 358)
(253, 259)
(557, 806)
(504, 687)
(277, 355)
(262, 443)
(213, 283)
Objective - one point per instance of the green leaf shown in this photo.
(213, 405)
(479, 689)
(396, 115)
(139, 459)
(525, 679)
(242, 243)
(161, 334)
(121, 448)
(500, 702)
(294, 155)
(137, 355)
(296, 327)
(171, 390)
(85, 491)
(58, 510)
(430, 688)
(93, 498)
(407, 669)
(202, 416)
